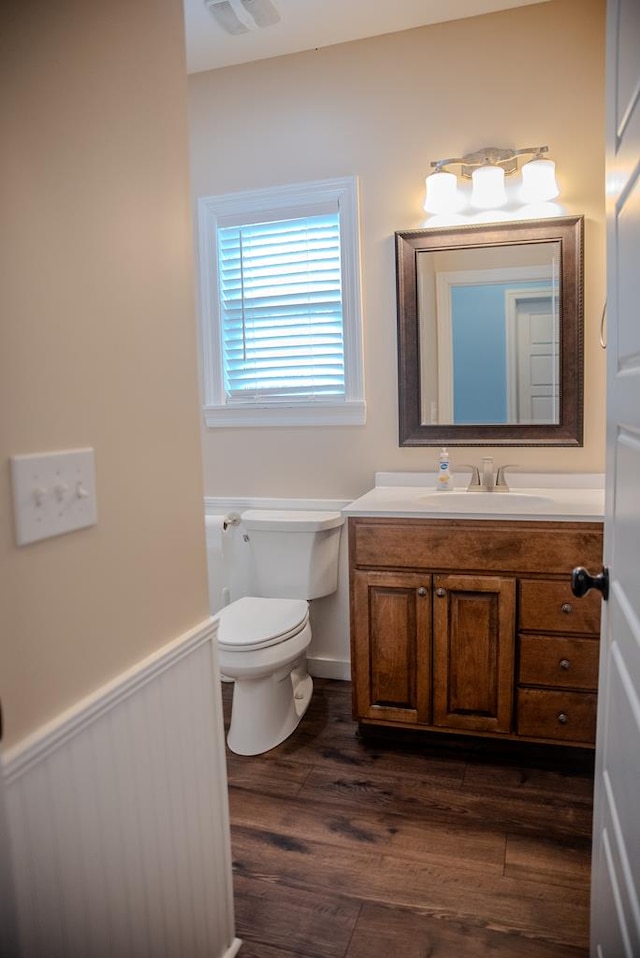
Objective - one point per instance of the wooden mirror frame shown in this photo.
(568, 232)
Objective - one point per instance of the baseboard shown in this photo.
(329, 668)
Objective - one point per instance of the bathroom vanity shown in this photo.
(462, 615)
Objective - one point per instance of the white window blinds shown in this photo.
(280, 307)
(280, 289)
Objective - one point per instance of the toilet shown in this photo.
(263, 638)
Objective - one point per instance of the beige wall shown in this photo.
(98, 342)
(383, 109)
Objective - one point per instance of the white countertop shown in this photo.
(552, 497)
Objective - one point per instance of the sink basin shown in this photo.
(484, 501)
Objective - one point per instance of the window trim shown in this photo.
(294, 200)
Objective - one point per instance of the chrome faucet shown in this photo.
(488, 480)
(485, 481)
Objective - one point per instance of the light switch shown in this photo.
(53, 493)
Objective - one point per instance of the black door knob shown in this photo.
(582, 581)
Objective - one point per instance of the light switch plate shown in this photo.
(53, 493)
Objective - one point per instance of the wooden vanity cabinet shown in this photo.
(470, 626)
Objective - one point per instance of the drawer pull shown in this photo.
(422, 591)
(441, 593)
(564, 664)
(562, 718)
(567, 608)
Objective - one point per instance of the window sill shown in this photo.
(316, 414)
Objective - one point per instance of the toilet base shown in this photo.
(267, 709)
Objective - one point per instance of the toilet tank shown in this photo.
(295, 554)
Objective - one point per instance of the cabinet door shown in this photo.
(473, 652)
(391, 649)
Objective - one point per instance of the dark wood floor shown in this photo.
(350, 847)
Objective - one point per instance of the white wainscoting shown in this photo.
(118, 817)
(329, 655)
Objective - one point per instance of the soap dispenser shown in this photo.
(444, 482)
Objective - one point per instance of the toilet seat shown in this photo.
(254, 623)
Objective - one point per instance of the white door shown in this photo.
(532, 358)
(615, 902)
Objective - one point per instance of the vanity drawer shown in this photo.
(566, 716)
(550, 606)
(559, 662)
(464, 545)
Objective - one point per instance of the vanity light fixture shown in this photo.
(487, 169)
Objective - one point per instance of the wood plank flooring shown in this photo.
(407, 847)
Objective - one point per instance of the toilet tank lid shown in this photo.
(291, 520)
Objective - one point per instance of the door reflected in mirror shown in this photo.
(490, 324)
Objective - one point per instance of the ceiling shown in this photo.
(309, 24)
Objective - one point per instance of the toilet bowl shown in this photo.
(263, 639)
(261, 646)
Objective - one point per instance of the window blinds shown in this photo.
(281, 309)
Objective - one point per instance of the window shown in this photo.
(280, 306)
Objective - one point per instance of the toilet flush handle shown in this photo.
(233, 519)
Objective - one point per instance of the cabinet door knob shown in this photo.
(567, 608)
(441, 593)
(422, 591)
(564, 664)
(562, 718)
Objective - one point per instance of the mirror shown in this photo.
(490, 327)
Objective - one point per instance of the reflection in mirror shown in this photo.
(490, 334)
(496, 330)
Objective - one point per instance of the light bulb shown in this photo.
(539, 181)
(488, 188)
(441, 192)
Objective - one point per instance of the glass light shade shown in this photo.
(539, 181)
(441, 192)
(488, 191)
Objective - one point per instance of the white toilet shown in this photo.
(262, 641)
